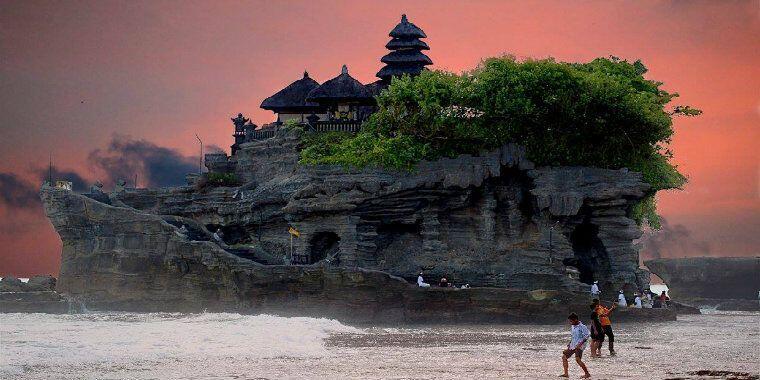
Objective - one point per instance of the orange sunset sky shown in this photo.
(76, 75)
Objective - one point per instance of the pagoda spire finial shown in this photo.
(305, 74)
(344, 69)
(403, 18)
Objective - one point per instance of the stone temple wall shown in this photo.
(490, 220)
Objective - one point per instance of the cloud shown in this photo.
(155, 166)
(672, 241)
(123, 158)
(17, 193)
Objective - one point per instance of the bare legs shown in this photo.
(578, 360)
(564, 366)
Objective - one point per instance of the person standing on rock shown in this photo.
(664, 300)
(579, 335)
(621, 300)
(637, 301)
(604, 318)
(647, 299)
(595, 290)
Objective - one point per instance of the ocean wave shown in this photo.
(34, 340)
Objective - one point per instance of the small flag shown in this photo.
(294, 232)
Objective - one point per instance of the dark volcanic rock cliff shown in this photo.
(492, 220)
(117, 258)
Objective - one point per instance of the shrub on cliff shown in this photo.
(603, 113)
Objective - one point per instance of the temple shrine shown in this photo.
(341, 103)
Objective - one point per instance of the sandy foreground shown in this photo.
(232, 346)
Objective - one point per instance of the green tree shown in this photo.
(603, 113)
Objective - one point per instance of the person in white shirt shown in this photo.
(621, 300)
(421, 282)
(637, 301)
(579, 335)
(595, 290)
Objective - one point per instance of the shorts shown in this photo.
(578, 352)
(599, 337)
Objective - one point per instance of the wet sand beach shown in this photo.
(232, 346)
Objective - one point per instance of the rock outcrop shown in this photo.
(120, 258)
(491, 220)
(34, 296)
(710, 280)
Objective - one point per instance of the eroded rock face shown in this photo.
(492, 220)
(11, 284)
(720, 278)
(119, 258)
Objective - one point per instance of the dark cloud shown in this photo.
(154, 166)
(78, 182)
(672, 241)
(17, 193)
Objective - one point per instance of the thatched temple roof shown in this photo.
(342, 87)
(293, 96)
(406, 55)
(406, 43)
(406, 29)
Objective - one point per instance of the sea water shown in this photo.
(233, 346)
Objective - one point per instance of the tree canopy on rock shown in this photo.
(603, 113)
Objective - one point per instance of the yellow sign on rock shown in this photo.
(294, 232)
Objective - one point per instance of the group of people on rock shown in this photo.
(645, 299)
(443, 283)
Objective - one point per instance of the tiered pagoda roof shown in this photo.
(406, 55)
(293, 97)
(343, 87)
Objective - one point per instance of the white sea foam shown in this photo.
(125, 339)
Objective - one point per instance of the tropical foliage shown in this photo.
(603, 113)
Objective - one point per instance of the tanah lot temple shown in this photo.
(341, 103)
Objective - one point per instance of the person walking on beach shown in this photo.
(597, 333)
(579, 334)
(604, 318)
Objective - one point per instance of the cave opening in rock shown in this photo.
(394, 233)
(323, 245)
(589, 254)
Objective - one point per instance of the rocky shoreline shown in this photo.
(723, 283)
(526, 239)
(38, 295)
